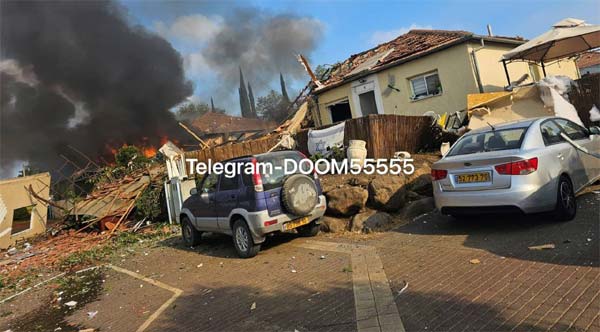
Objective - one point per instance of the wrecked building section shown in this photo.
(23, 208)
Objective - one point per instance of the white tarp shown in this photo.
(320, 141)
(562, 108)
(595, 114)
(554, 93)
(566, 38)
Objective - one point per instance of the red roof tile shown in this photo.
(588, 59)
(404, 47)
(213, 123)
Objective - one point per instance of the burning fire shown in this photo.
(144, 145)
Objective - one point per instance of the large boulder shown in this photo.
(334, 225)
(417, 208)
(422, 185)
(346, 201)
(358, 220)
(388, 192)
(420, 180)
(377, 221)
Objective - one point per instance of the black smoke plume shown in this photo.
(263, 45)
(79, 73)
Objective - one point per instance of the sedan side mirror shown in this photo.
(594, 130)
(193, 191)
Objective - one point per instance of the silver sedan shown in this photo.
(524, 166)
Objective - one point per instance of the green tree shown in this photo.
(190, 111)
(284, 93)
(245, 108)
(273, 107)
(323, 72)
(130, 154)
(251, 99)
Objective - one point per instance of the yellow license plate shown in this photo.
(473, 177)
(295, 223)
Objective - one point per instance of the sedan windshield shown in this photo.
(494, 140)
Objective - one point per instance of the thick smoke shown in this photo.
(76, 72)
(263, 45)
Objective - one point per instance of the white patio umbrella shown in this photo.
(567, 38)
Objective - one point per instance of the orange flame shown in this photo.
(148, 151)
(143, 144)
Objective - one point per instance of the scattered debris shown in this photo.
(253, 306)
(199, 265)
(71, 304)
(92, 314)
(475, 261)
(403, 288)
(293, 271)
(543, 247)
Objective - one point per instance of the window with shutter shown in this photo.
(425, 85)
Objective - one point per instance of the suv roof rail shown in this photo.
(236, 158)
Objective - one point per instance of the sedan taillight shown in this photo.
(521, 167)
(438, 174)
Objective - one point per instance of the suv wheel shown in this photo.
(190, 235)
(309, 230)
(242, 240)
(566, 204)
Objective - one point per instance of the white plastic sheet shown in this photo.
(595, 114)
(554, 93)
(321, 141)
(564, 109)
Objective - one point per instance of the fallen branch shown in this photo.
(194, 135)
(49, 202)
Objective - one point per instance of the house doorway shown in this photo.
(340, 111)
(367, 103)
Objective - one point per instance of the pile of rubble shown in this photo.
(47, 251)
(84, 222)
(110, 204)
(367, 203)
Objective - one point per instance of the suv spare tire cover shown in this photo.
(299, 194)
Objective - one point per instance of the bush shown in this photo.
(150, 204)
(130, 154)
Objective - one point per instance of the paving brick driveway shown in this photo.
(292, 286)
(512, 288)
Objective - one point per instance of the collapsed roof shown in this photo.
(404, 48)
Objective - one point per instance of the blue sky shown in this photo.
(349, 27)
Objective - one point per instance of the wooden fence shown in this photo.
(234, 150)
(384, 134)
(585, 95)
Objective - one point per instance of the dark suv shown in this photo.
(250, 206)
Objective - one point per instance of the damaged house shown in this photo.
(217, 128)
(423, 71)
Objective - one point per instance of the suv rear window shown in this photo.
(495, 140)
(277, 159)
